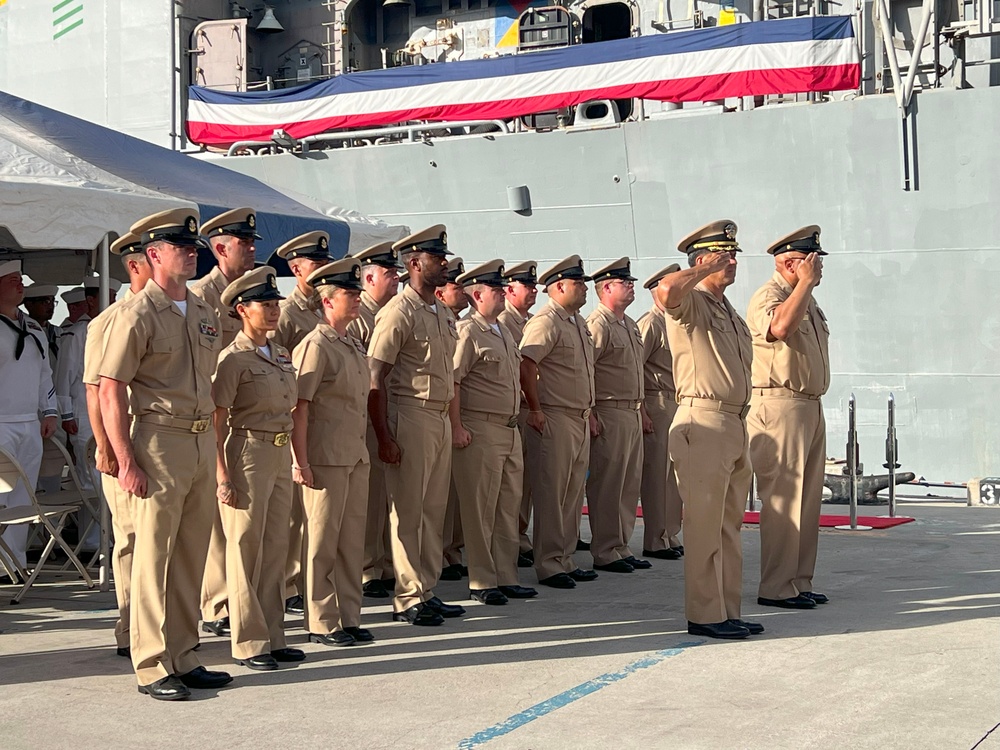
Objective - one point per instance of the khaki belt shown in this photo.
(488, 416)
(581, 413)
(191, 424)
(713, 405)
(784, 393)
(626, 405)
(279, 439)
(423, 403)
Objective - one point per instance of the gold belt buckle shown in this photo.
(200, 425)
(281, 439)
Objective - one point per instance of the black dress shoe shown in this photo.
(124, 651)
(418, 614)
(795, 602)
(452, 573)
(167, 689)
(374, 589)
(288, 654)
(662, 554)
(725, 630)
(615, 566)
(638, 564)
(583, 576)
(445, 610)
(217, 627)
(199, 677)
(295, 606)
(679, 548)
(816, 597)
(526, 559)
(558, 581)
(488, 596)
(390, 584)
(361, 635)
(336, 638)
(755, 628)
(518, 592)
(582, 546)
(259, 663)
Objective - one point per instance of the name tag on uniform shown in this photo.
(805, 317)
(208, 330)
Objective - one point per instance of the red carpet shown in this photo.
(876, 522)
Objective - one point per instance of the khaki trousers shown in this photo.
(214, 594)
(256, 543)
(488, 476)
(453, 536)
(661, 502)
(524, 513)
(418, 497)
(613, 484)
(378, 560)
(557, 462)
(712, 462)
(788, 449)
(293, 558)
(334, 541)
(172, 528)
(121, 556)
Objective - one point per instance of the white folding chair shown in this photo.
(51, 518)
(71, 493)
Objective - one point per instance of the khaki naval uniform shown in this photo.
(378, 548)
(616, 453)
(708, 445)
(259, 391)
(515, 323)
(453, 538)
(334, 377)
(661, 502)
(419, 341)
(788, 440)
(167, 358)
(488, 473)
(560, 344)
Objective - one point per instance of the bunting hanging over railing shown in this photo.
(788, 56)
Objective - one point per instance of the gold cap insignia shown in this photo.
(323, 243)
(192, 224)
(444, 238)
(357, 272)
(252, 221)
(730, 231)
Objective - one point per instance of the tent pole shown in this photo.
(105, 273)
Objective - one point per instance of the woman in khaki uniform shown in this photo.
(331, 457)
(254, 391)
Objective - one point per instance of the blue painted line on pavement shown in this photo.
(582, 690)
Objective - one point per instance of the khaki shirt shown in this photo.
(802, 363)
(258, 390)
(420, 344)
(361, 328)
(617, 356)
(167, 358)
(210, 289)
(296, 320)
(333, 378)
(514, 321)
(96, 334)
(487, 367)
(711, 348)
(564, 352)
(658, 362)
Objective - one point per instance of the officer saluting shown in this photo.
(162, 346)
(708, 440)
(791, 372)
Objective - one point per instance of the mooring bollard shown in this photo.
(891, 455)
(853, 465)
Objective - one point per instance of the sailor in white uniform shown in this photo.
(40, 304)
(27, 392)
(76, 305)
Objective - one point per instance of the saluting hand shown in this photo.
(536, 421)
(715, 262)
(388, 452)
(810, 270)
(133, 480)
(460, 437)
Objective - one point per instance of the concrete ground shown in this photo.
(906, 655)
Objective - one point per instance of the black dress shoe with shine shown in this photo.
(445, 610)
(488, 596)
(518, 592)
(638, 564)
(374, 589)
(259, 663)
(167, 689)
(816, 597)
(418, 614)
(336, 638)
(615, 566)
(582, 546)
(124, 651)
(452, 573)
(584, 576)
(794, 602)
(217, 627)
(755, 628)
(361, 635)
(294, 605)
(526, 559)
(662, 554)
(201, 678)
(558, 581)
(288, 654)
(725, 630)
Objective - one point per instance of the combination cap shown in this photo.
(240, 222)
(526, 273)
(258, 285)
(718, 236)
(432, 240)
(655, 278)
(178, 226)
(312, 245)
(569, 268)
(383, 254)
(621, 270)
(456, 267)
(344, 273)
(127, 244)
(804, 240)
(490, 273)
